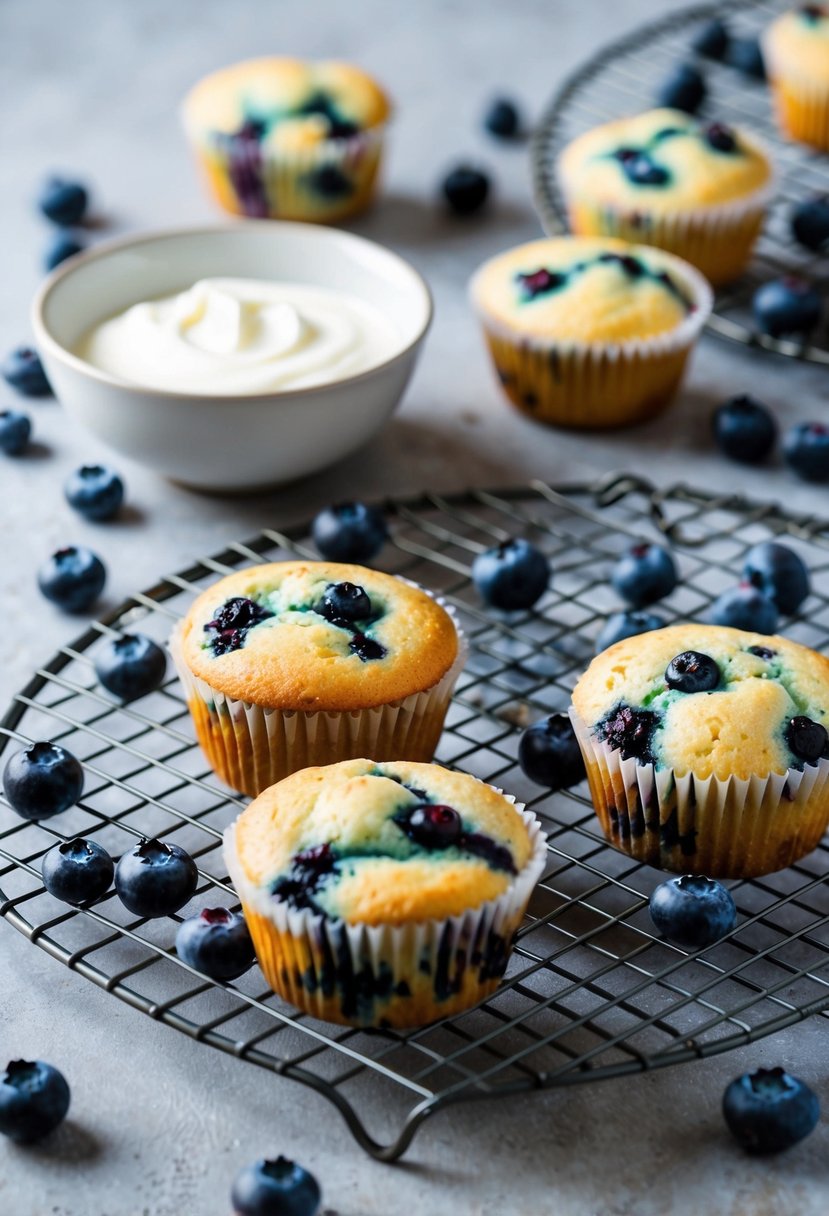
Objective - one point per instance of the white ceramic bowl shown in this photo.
(240, 442)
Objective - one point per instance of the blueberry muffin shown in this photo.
(707, 748)
(589, 332)
(664, 178)
(287, 139)
(298, 663)
(796, 52)
(383, 894)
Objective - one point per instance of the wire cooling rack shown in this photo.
(590, 992)
(622, 78)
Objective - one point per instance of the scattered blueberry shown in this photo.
(807, 739)
(95, 492)
(745, 55)
(627, 625)
(711, 40)
(34, 1099)
(275, 1188)
(155, 878)
(744, 429)
(63, 202)
(646, 573)
(810, 222)
(344, 602)
(62, 246)
(72, 578)
(350, 532)
(42, 780)
(787, 306)
(77, 871)
(217, 943)
(692, 672)
(432, 825)
(23, 370)
(15, 430)
(779, 573)
(512, 575)
(465, 189)
(692, 911)
(684, 89)
(806, 451)
(549, 753)
(769, 1110)
(503, 119)
(130, 666)
(744, 607)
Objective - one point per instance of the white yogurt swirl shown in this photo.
(231, 336)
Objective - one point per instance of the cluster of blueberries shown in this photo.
(685, 88)
(64, 203)
(745, 430)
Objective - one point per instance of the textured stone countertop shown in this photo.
(160, 1124)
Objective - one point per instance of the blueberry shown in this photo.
(711, 40)
(720, 137)
(684, 89)
(503, 119)
(512, 575)
(642, 171)
(217, 943)
(769, 1110)
(365, 648)
(807, 739)
(787, 306)
(549, 753)
(329, 181)
(779, 573)
(646, 573)
(275, 1188)
(744, 607)
(95, 492)
(692, 672)
(61, 247)
(77, 871)
(630, 731)
(155, 878)
(745, 55)
(627, 625)
(692, 911)
(23, 370)
(806, 451)
(34, 1100)
(42, 780)
(130, 666)
(63, 202)
(72, 578)
(810, 222)
(350, 532)
(431, 825)
(15, 430)
(344, 602)
(744, 429)
(465, 189)
(229, 628)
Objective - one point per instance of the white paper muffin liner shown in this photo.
(724, 828)
(252, 747)
(386, 975)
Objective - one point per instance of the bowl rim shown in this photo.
(45, 341)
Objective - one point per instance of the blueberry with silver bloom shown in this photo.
(23, 370)
(60, 248)
(275, 1188)
(73, 578)
(806, 451)
(42, 780)
(95, 492)
(779, 573)
(155, 878)
(692, 911)
(63, 202)
(683, 89)
(711, 40)
(744, 429)
(788, 307)
(350, 532)
(34, 1100)
(130, 666)
(466, 189)
(77, 871)
(769, 1110)
(549, 753)
(512, 575)
(692, 672)
(810, 222)
(744, 607)
(503, 119)
(217, 943)
(745, 55)
(645, 574)
(627, 625)
(15, 430)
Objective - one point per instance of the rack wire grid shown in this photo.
(591, 991)
(623, 77)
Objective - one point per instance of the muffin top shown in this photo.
(285, 104)
(317, 636)
(586, 289)
(798, 41)
(663, 161)
(381, 843)
(709, 700)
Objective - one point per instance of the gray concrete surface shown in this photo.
(159, 1124)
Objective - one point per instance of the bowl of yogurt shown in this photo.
(233, 358)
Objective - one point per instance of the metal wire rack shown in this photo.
(591, 992)
(622, 78)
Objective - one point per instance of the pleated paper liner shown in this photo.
(723, 828)
(386, 975)
(801, 108)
